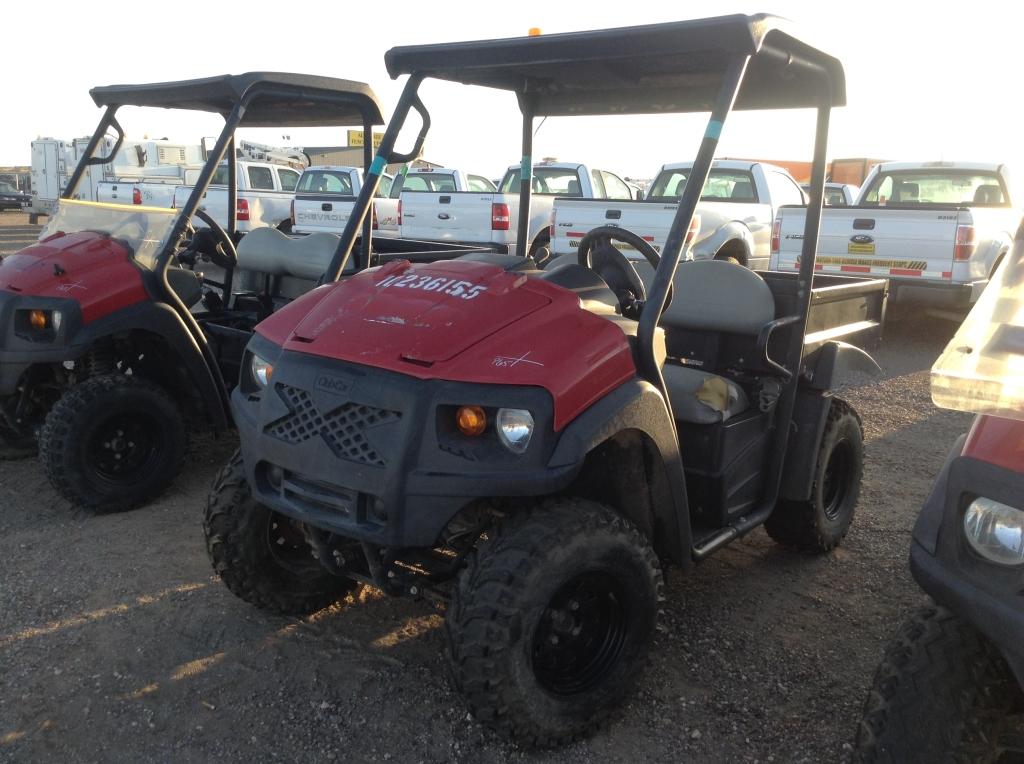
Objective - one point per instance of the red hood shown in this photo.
(88, 267)
(461, 321)
(997, 441)
(392, 313)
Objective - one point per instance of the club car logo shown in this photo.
(335, 385)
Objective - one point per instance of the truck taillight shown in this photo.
(551, 229)
(374, 225)
(693, 230)
(966, 243)
(776, 236)
(500, 217)
(136, 196)
(291, 212)
(242, 210)
(399, 212)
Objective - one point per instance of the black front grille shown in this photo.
(343, 428)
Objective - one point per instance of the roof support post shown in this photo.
(106, 121)
(675, 241)
(525, 179)
(365, 247)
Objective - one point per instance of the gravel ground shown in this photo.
(117, 643)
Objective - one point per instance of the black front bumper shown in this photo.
(989, 596)
(368, 454)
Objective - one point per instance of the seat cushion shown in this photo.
(188, 285)
(702, 398)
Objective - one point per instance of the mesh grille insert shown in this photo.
(343, 428)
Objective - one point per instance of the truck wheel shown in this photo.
(112, 443)
(941, 693)
(261, 556)
(820, 523)
(551, 620)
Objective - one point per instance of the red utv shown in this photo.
(531, 446)
(951, 684)
(112, 343)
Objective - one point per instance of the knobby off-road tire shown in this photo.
(113, 442)
(941, 694)
(261, 556)
(551, 620)
(821, 522)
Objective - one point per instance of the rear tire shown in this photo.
(551, 620)
(261, 556)
(942, 693)
(113, 443)
(820, 523)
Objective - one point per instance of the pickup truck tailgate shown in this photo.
(876, 241)
(574, 218)
(450, 216)
(322, 212)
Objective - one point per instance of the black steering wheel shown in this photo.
(218, 247)
(615, 268)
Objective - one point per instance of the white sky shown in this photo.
(924, 80)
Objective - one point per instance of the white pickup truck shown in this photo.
(155, 189)
(326, 195)
(488, 218)
(265, 194)
(936, 230)
(737, 207)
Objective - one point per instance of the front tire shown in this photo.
(820, 523)
(941, 694)
(551, 620)
(113, 443)
(261, 556)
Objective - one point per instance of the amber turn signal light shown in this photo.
(471, 420)
(37, 319)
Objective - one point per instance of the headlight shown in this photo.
(995, 531)
(41, 320)
(262, 370)
(515, 428)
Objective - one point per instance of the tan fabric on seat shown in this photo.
(692, 392)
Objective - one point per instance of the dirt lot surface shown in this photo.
(117, 643)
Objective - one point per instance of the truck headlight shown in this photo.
(262, 370)
(515, 428)
(995, 531)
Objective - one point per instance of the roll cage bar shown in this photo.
(711, 65)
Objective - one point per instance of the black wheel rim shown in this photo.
(836, 482)
(124, 448)
(581, 634)
(287, 543)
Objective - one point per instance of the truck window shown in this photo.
(599, 190)
(547, 181)
(325, 182)
(722, 186)
(481, 184)
(288, 179)
(614, 187)
(220, 176)
(441, 183)
(261, 179)
(384, 187)
(783, 189)
(968, 188)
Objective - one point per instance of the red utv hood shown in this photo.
(461, 321)
(88, 267)
(419, 314)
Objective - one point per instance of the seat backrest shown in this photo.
(708, 295)
(988, 193)
(744, 190)
(573, 188)
(267, 250)
(907, 192)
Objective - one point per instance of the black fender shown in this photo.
(161, 319)
(830, 366)
(637, 406)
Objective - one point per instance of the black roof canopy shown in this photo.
(675, 67)
(274, 99)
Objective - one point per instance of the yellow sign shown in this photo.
(860, 249)
(355, 139)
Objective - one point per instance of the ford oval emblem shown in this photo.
(861, 238)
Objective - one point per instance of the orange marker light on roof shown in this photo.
(534, 32)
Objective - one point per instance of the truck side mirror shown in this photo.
(639, 195)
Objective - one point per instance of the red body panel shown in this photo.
(997, 441)
(96, 272)
(465, 322)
